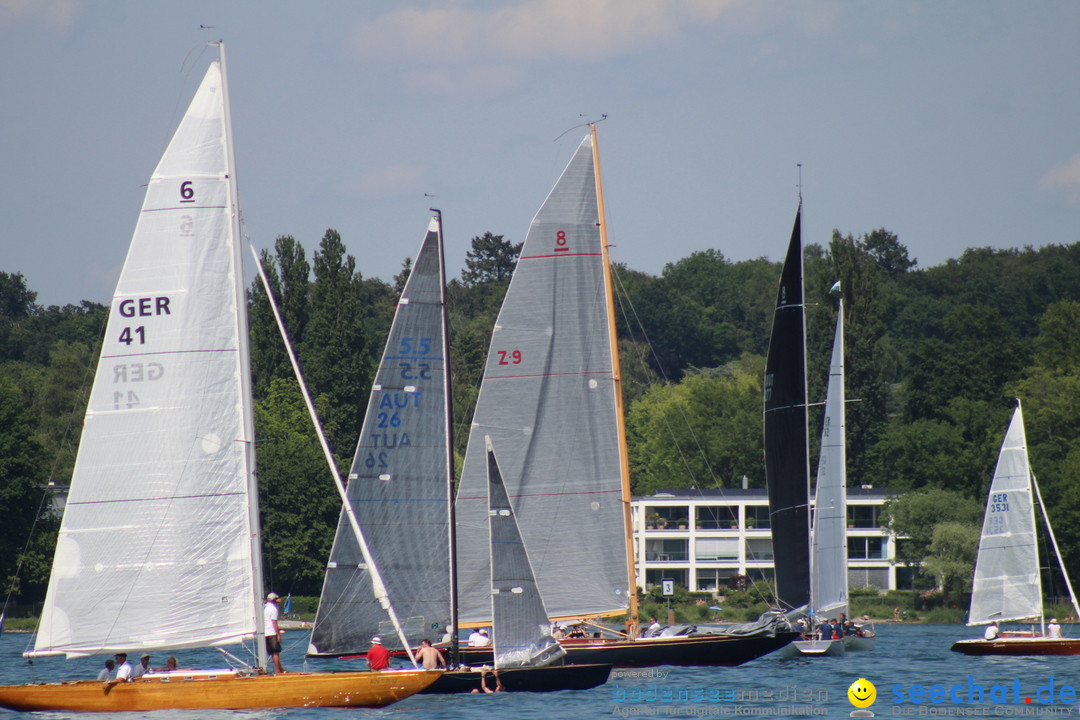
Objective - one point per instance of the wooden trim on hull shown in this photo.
(1019, 646)
(551, 678)
(690, 650)
(227, 691)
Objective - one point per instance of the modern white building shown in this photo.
(702, 538)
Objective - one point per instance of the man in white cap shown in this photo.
(378, 657)
(273, 632)
(1053, 630)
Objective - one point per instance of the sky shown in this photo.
(953, 124)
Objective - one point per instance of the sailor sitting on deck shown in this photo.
(991, 631)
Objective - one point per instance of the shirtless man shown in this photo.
(430, 657)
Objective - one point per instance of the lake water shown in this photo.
(907, 658)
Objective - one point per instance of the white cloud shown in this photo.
(573, 29)
(1066, 178)
(57, 15)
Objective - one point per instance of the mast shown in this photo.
(245, 370)
(449, 402)
(624, 462)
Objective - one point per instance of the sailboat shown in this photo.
(551, 402)
(401, 491)
(828, 537)
(526, 655)
(1008, 582)
(159, 547)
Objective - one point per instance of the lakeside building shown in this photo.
(703, 538)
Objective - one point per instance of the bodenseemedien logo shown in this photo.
(862, 694)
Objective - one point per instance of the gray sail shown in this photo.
(828, 541)
(548, 402)
(398, 482)
(1007, 582)
(522, 632)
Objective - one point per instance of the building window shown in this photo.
(666, 516)
(712, 580)
(757, 517)
(863, 516)
(713, 549)
(866, 548)
(759, 549)
(654, 576)
(717, 517)
(666, 550)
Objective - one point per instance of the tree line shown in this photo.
(935, 358)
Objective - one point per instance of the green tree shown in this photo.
(334, 355)
(951, 558)
(23, 498)
(703, 432)
(491, 258)
(299, 505)
(914, 515)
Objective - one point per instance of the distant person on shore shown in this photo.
(378, 657)
(991, 631)
(106, 672)
(429, 656)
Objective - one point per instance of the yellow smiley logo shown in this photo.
(862, 693)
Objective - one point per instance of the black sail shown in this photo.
(787, 467)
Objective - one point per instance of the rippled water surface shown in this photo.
(907, 657)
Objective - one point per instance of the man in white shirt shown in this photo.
(123, 668)
(272, 631)
(991, 631)
(142, 668)
(1053, 630)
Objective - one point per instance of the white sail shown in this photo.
(548, 403)
(156, 545)
(1007, 583)
(522, 632)
(828, 543)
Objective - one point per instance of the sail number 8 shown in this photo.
(999, 502)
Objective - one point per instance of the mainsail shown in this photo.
(1007, 583)
(828, 545)
(548, 403)
(787, 463)
(522, 636)
(399, 481)
(158, 547)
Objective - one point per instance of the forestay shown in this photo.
(398, 484)
(522, 632)
(1007, 583)
(548, 403)
(156, 545)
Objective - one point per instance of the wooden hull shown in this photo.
(690, 650)
(225, 691)
(1019, 646)
(552, 678)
